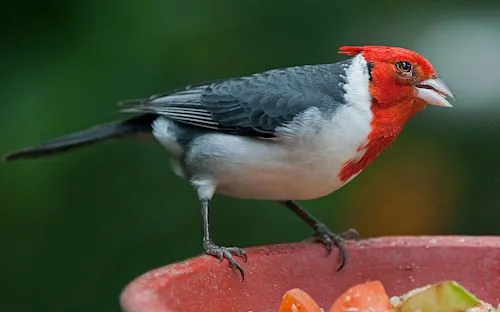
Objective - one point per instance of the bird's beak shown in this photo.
(434, 92)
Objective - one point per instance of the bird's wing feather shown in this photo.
(252, 105)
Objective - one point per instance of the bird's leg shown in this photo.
(209, 246)
(323, 233)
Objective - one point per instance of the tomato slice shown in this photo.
(297, 300)
(366, 297)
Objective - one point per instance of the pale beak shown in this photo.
(434, 92)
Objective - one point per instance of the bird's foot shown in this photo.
(227, 253)
(328, 238)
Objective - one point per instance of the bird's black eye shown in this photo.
(404, 67)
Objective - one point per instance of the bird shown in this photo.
(286, 134)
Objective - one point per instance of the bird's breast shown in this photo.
(303, 162)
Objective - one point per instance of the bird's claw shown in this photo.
(226, 253)
(328, 238)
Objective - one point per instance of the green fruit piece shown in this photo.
(447, 296)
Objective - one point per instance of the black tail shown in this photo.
(102, 132)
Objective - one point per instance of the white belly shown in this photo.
(303, 163)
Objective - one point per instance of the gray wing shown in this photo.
(253, 105)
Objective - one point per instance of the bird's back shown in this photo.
(253, 105)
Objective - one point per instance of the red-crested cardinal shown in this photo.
(289, 134)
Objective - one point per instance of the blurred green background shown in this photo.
(75, 228)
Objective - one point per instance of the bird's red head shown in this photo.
(402, 82)
(401, 76)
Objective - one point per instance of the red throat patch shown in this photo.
(386, 125)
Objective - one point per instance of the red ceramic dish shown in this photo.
(401, 263)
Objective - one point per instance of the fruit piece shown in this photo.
(297, 300)
(366, 297)
(447, 296)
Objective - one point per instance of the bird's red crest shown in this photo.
(373, 49)
(378, 53)
(351, 50)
